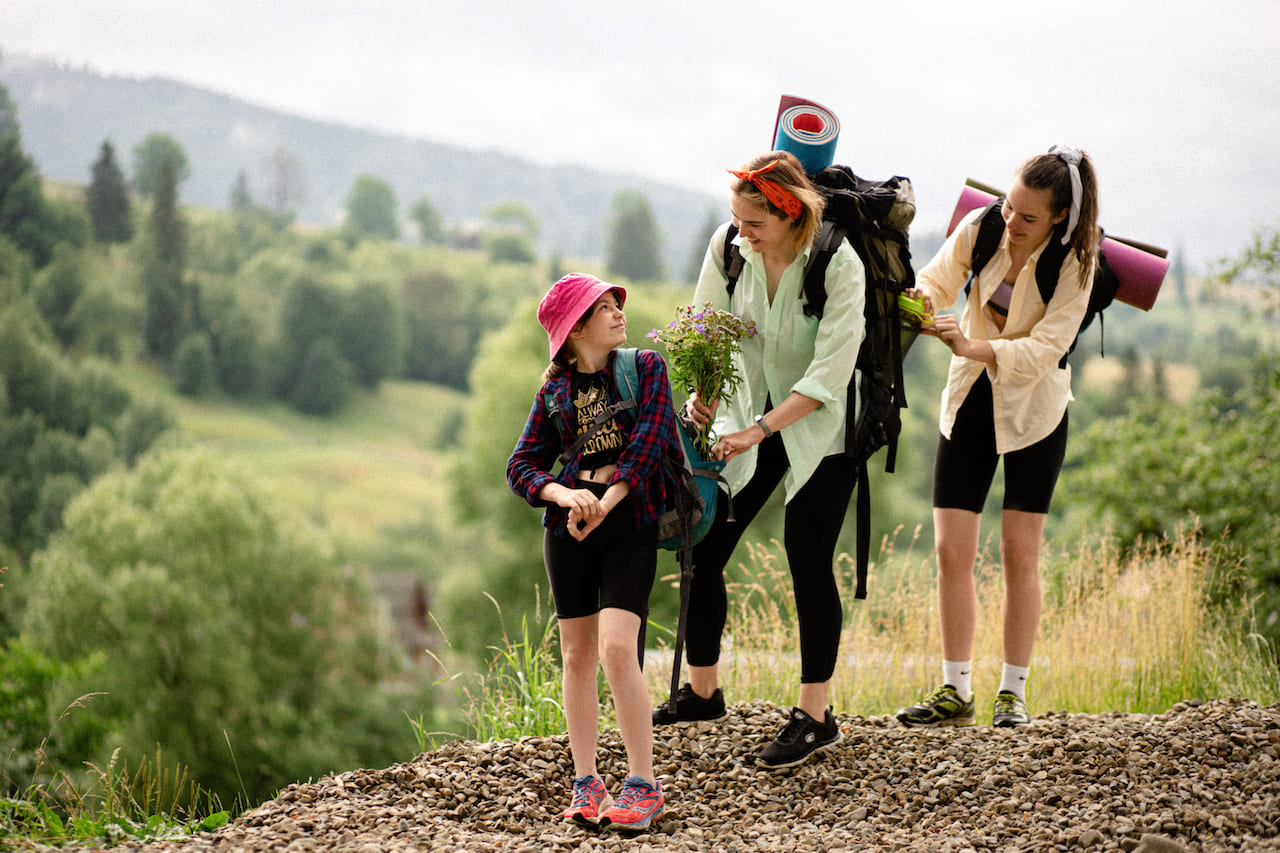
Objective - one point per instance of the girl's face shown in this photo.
(605, 326)
(762, 230)
(1028, 217)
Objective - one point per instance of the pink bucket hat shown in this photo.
(566, 302)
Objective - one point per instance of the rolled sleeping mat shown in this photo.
(1140, 268)
(808, 130)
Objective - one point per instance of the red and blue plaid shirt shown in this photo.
(650, 430)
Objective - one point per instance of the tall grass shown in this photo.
(104, 806)
(1135, 633)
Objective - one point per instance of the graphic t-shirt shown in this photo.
(590, 398)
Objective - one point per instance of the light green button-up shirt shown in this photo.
(790, 352)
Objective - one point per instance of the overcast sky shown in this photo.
(1174, 99)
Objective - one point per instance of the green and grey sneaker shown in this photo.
(942, 707)
(1010, 711)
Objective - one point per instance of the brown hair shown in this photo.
(790, 175)
(1050, 172)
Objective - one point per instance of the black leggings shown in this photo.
(965, 464)
(813, 521)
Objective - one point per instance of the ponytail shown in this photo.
(1068, 175)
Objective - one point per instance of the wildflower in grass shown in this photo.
(700, 347)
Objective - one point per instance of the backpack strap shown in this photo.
(1048, 267)
(732, 259)
(814, 291)
(625, 378)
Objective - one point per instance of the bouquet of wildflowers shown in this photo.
(700, 348)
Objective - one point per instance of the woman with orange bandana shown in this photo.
(784, 424)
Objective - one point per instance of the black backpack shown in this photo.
(874, 217)
(1105, 282)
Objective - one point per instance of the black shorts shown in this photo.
(965, 464)
(613, 567)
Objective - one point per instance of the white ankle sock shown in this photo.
(958, 674)
(1014, 679)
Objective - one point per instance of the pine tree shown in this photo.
(108, 199)
(634, 250)
(167, 305)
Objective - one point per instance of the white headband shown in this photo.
(1071, 156)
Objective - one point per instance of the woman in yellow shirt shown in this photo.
(1006, 395)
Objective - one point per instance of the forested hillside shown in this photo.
(66, 114)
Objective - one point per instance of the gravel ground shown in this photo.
(1201, 777)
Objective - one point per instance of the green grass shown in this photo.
(367, 473)
(1135, 634)
(102, 807)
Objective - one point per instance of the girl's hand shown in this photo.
(698, 412)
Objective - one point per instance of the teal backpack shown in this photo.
(692, 507)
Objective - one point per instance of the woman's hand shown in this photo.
(947, 328)
(738, 442)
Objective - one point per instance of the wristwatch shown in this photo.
(764, 426)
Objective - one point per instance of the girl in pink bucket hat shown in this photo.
(601, 540)
(1006, 396)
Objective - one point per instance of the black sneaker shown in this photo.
(690, 708)
(800, 738)
(1009, 711)
(942, 707)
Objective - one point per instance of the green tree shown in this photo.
(156, 152)
(25, 217)
(58, 287)
(510, 229)
(1211, 462)
(441, 327)
(110, 211)
(429, 222)
(219, 626)
(372, 208)
(324, 381)
(634, 245)
(1258, 266)
(193, 366)
(312, 312)
(371, 334)
(514, 216)
(168, 304)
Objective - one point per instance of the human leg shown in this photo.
(814, 518)
(578, 648)
(626, 683)
(708, 598)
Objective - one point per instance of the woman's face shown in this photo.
(762, 230)
(605, 326)
(1028, 217)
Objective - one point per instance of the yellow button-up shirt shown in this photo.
(790, 352)
(1029, 391)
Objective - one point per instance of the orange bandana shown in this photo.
(778, 195)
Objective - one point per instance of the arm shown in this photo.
(530, 463)
(826, 376)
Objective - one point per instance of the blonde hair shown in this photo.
(789, 175)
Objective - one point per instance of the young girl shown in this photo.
(600, 545)
(1006, 395)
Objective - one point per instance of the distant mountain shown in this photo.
(65, 114)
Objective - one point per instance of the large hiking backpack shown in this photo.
(874, 216)
(1105, 282)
